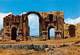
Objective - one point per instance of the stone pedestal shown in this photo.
(58, 35)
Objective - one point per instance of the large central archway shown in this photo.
(33, 20)
(34, 23)
(13, 33)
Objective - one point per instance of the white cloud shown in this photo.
(72, 21)
(2, 15)
(22, 13)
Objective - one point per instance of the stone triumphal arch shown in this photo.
(16, 26)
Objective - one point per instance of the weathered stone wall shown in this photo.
(53, 20)
(78, 30)
(71, 30)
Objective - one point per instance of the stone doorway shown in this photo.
(51, 32)
(13, 33)
(72, 30)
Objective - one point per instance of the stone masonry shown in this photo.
(16, 26)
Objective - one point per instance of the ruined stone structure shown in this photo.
(17, 26)
(70, 30)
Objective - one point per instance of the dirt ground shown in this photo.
(68, 50)
(72, 50)
(38, 41)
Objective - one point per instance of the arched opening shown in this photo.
(51, 32)
(33, 22)
(13, 33)
(72, 30)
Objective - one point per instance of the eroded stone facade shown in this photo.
(17, 26)
(71, 30)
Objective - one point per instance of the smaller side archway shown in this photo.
(13, 33)
(51, 32)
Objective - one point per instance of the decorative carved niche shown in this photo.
(50, 17)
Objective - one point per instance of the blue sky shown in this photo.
(71, 8)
